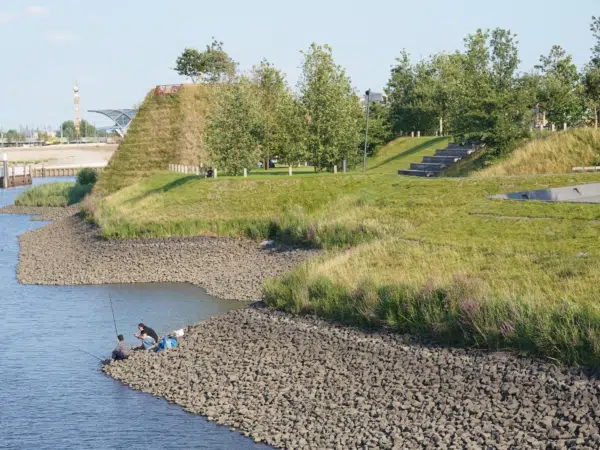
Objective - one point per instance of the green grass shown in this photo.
(550, 153)
(54, 194)
(427, 256)
(399, 153)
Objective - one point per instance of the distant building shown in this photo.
(375, 97)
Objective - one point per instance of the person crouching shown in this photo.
(122, 351)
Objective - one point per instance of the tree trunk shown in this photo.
(441, 126)
(595, 117)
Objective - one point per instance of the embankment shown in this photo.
(167, 129)
(71, 252)
(550, 153)
(302, 383)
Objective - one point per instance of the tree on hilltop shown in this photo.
(591, 76)
(275, 101)
(210, 66)
(332, 110)
(233, 129)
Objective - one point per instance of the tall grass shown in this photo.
(53, 195)
(459, 312)
(551, 154)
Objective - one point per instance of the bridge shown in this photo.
(122, 118)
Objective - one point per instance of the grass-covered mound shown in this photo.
(429, 256)
(166, 130)
(550, 153)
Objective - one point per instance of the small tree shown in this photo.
(591, 77)
(333, 112)
(560, 90)
(210, 66)
(273, 97)
(233, 129)
(380, 131)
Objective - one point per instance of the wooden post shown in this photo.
(5, 167)
(553, 127)
(344, 169)
(412, 134)
(290, 171)
(418, 134)
(245, 172)
(565, 126)
(334, 170)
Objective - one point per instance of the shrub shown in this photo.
(87, 176)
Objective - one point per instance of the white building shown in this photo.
(375, 97)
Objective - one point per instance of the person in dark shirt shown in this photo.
(147, 330)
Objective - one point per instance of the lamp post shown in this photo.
(368, 96)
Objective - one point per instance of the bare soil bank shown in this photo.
(301, 383)
(70, 252)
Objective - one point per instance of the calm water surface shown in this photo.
(53, 396)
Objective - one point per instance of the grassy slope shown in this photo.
(554, 153)
(399, 153)
(431, 256)
(166, 130)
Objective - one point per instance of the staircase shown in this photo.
(432, 166)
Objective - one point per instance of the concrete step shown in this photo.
(454, 145)
(441, 159)
(431, 167)
(417, 173)
(457, 152)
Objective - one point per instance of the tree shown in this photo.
(332, 110)
(492, 107)
(68, 130)
(211, 66)
(86, 129)
(233, 128)
(380, 130)
(591, 76)
(595, 29)
(560, 89)
(274, 98)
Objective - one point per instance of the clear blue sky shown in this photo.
(119, 50)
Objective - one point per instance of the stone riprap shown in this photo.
(71, 252)
(42, 213)
(302, 383)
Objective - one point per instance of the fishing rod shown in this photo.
(113, 314)
(88, 353)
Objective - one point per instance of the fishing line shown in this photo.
(88, 353)
(113, 314)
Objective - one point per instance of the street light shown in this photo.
(368, 96)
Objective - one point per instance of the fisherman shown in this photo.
(123, 349)
(149, 331)
(147, 341)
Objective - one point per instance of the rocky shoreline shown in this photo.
(302, 383)
(71, 252)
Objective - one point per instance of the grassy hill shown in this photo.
(167, 129)
(429, 256)
(399, 153)
(551, 154)
(434, 257)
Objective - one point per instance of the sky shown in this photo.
(119, 50)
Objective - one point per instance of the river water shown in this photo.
(53, 395)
